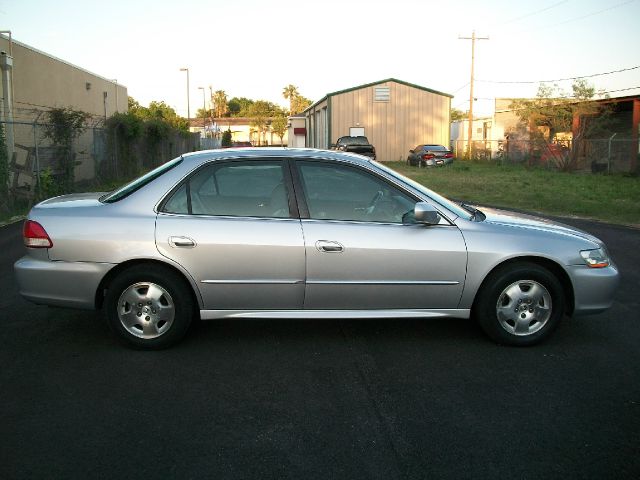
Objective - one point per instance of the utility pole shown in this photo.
(473, 39)
(6, 65)
(188, 103)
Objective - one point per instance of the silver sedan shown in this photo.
(284, 233)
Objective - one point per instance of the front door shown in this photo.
(363, 250)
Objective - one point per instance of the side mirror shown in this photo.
(426, 213)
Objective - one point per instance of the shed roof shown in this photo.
(366, 85)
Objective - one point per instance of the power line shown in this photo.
(517, 19)
(463, 86)
(618, 90)
(590, 14)
(597, 93)
(560, 79)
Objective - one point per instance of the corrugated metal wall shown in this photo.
(410, 117)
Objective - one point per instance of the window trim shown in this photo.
(301, 194)
(287, 179)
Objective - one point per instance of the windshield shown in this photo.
(354, 140)
(445, 202)
(139, 182)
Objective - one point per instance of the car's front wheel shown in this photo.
(520, 304)
(149, 307)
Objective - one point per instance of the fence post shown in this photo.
(37, 165)
(609, 153)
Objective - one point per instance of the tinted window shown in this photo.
(244, 189)
(354, 141)
(435, 148)
(338, 192)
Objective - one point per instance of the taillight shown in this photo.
(35, 236)
(428, 156)
(448, 155)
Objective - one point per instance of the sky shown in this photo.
(254, 48)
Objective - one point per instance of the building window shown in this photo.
(381, 94)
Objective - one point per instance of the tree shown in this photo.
(158, 110)
(202, 113)
(219, 100)
(279, 127)
(260, 111)
(63, 126)
(297, 103)
(552, 111)
(239, 106)
(457, 115)
(290, 92)
(300, 104)
(226, 138)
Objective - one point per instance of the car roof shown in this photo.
(271, 152)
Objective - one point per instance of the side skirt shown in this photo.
(331, 314)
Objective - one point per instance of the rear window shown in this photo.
(354, 140)
(437, 148)
(140, 182)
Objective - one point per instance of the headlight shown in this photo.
(597, 258)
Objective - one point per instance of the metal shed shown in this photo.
(395, 116)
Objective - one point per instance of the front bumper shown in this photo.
(594, 288)
(61, 284)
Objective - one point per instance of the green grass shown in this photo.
(608, 198)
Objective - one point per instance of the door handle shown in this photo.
(329, 246)
(182, 242)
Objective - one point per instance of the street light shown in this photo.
(188, 107)
(204, 112)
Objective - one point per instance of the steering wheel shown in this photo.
(374, 202)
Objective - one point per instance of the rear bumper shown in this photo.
(61, 284)
(594, 288)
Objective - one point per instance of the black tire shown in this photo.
(149, 307)
(519, 304)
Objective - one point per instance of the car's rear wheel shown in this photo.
(149, 307)
(520, 304)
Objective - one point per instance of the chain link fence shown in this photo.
(98, 160)
(595, 155)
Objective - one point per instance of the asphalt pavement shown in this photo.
(368, 399)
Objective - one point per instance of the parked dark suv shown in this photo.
(357, 144)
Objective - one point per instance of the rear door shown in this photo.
(233, 225)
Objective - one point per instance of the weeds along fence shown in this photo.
(98, 158)
(611, 155)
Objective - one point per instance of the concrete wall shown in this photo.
(41, 81)
(296, 140)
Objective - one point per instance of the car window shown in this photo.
(435, 148)
(140, 182)
(242, 189)
(341, 192)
